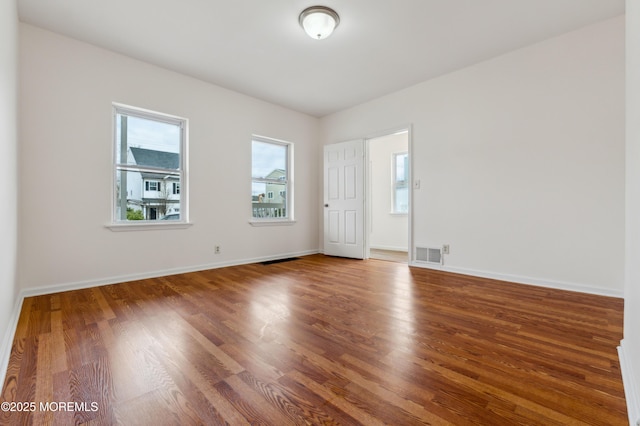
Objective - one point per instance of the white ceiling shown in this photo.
(257, 47)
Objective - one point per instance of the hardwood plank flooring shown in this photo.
(390, 255)
(318, 340)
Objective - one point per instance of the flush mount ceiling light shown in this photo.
(319, 21)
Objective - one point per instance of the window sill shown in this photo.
(399, 213)
(147, 226)
(272, 222)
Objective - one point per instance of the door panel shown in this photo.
(350, 225)
(350, 182)
(333, 228)
(344, 199)
(334, 189)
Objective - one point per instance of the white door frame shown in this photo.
(367, 179)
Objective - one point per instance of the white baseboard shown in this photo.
(57, 288)
(630, 387)
(7, 341)
(559, 285)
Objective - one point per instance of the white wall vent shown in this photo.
(429, 255)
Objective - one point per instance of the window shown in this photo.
(271, 186)
(149, 166)
(400, 183)
(152, 186)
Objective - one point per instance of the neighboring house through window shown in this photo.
(271, 184)
(149, 165)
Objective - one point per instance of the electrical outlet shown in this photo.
(445, 249)
(416, 184)
(217, 249)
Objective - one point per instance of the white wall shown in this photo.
(521, 160)
(387, 231)
(67, 89)
(8, 175)
(630, 347)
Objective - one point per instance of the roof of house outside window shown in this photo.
(152, 158)
(277, 174)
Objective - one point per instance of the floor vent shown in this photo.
(429, 255)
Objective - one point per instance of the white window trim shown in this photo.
(290, 219)
(145, 225)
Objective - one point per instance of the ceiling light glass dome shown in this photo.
(319, 21)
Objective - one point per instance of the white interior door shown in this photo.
(344, 199)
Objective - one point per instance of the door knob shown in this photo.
(326, 205)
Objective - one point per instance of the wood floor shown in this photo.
(389, 255)
(317, 340)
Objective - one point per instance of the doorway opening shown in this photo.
(389, 196)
